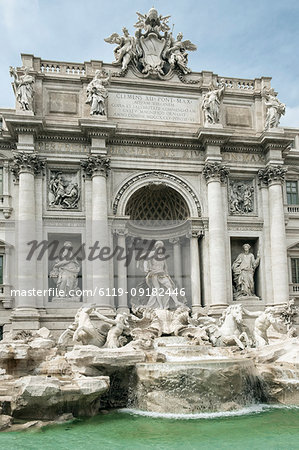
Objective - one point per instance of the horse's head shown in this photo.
(237, 312)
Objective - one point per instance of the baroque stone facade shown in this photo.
(151, 150)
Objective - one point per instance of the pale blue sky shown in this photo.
(234, 38)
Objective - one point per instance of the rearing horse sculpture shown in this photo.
(231, 329)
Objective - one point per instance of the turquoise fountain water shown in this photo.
(253, 428)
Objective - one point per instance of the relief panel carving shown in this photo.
(64, 189)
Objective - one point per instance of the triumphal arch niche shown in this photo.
(144, 151)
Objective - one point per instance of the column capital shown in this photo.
(272, 174)
(96, 165)
(120, 231)
(26, 162)
(174, 240)
(215, 171)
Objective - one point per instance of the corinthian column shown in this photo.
(24, 167)
(215, 173)
(97, 167)
(273, 177)
(177, 260)
(195, 270)
(122, 287)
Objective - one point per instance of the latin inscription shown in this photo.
(153, 107)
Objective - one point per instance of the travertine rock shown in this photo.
(45, 397)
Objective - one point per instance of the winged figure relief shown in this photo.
(126, 48)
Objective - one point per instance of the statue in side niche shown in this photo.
(97, 94)
(275, 109)
(243, 270)
(23, 88)
(211, 103)
(65, 271)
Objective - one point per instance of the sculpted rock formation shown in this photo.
(156, 359)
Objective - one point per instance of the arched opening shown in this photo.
(157, 202)
(158, 212)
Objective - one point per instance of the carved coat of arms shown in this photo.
(151, 53)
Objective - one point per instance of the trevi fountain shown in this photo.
(194, 312)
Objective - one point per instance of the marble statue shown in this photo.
(241, 197)
(211, 103)
(125, 50)
(243, 270)
(65, 272)
(63, 194)
(23, 88)
(97, 94)
(230, 330)
(288, 314)
(115, 336)
(263, 322)
(153, 51)
(176, 52)
(162, 287)
(82, 331)
(275, 109)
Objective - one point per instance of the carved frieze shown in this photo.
(64, 190)
(241, 197)
(96, 165)
(215, 171)
(271, 174)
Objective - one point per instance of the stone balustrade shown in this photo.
(293, 209)
(62, 68)
(238, 83)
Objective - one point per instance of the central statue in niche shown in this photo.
(161, 291)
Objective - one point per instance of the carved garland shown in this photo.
(157, 174)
